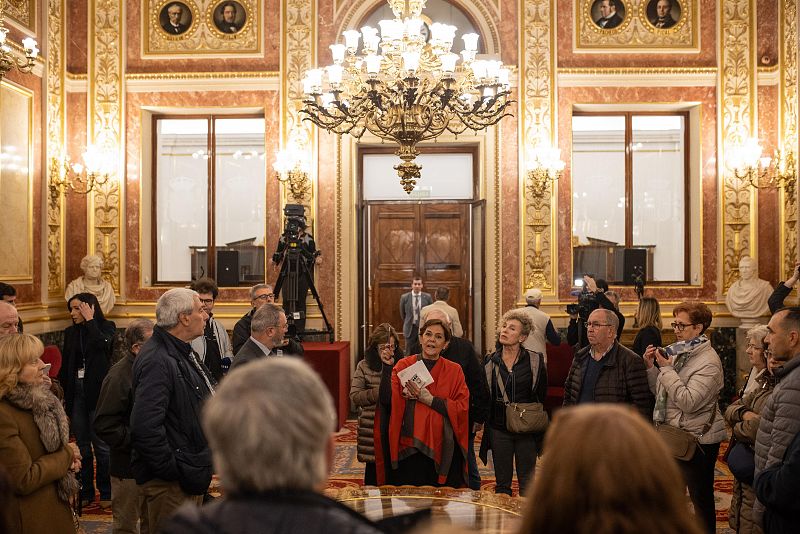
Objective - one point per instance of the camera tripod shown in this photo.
(293, 269)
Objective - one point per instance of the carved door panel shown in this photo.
(431, 240)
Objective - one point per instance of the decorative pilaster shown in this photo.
(56, 133)
(298, 54)
(105, 130)
(736, 105)
(537, 73)
(787, 127)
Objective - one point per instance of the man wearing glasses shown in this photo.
(605, 371)
(260, 294)
(214, 345)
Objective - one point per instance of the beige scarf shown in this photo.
(50, 418)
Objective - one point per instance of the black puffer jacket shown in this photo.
(623, 378)
(167, 440)
(93, 343)
(284, 512)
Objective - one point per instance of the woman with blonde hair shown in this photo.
(648, 320)
(34, 442)
(605, 470)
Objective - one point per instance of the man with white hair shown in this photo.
(543, 330)
(270, 427)
(267, 328)
(170, 457)
(9, 319)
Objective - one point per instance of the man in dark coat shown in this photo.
(462, 352)
(171, 460)
(112, 423)
(609, 18)
(267, 328)
(605, 371)
(411, 305)
(777, 489)
(260, 294)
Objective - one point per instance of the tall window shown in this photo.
(209, 199)
(630, 195)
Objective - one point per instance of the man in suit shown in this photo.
(228, 23)
(173, 25)
(609, 18)
(260, 294)
(411, 305)
(663, 19)
(442, 294)
(267, 329)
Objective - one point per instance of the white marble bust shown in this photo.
(748, 296)
(92, 282)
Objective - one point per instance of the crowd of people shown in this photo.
(186, 402)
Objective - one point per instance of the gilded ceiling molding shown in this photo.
(106, 106)
(787, 126)
(56, 136)
(298, 54)
(737, 110)
(536, 125)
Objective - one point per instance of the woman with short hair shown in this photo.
(686, 384)
(648, 320)
(34, 443)
(604, 472)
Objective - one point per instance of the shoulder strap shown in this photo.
(711, 420)
(534, 357)
(500, 384)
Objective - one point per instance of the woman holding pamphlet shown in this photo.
(428, 431)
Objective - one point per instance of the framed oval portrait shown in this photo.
(663, 14)
(229, 16)
(175, 18)
(607, 14)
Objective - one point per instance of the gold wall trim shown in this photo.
(105, 128)
(636, 70)
(787, 127)
(56, 135)
(161, 76)
(338, 275)
(537, 124)
(737, 120)
(76, 77)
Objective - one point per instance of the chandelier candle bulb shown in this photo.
(493, 70)
(29, 44)
(391, 30)
(470, 41)
(335, 75)
(448, 62)
(373, 64)
(411, 61)
(337, 52)
(414, 28)
(351, 38)
(505, 77)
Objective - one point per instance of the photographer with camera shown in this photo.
(296, 255)
(594, 295)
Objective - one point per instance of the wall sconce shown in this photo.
(543, 166)
(95, 172)
(7, 59)
(762, 172)
(292, 168)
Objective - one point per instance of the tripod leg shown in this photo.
(314, 293)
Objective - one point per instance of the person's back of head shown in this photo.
(269, 427)
(605, 470)
(442, 293)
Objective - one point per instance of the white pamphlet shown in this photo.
(417, 373)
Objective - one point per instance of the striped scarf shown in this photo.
(681, 350)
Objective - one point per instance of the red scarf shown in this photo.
(430, 431)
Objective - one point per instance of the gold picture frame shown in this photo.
(637, 26)
(200, 30)
(21, 13)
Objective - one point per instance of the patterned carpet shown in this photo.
(348, 472)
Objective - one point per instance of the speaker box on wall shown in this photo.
(227, 268)
(633, 258)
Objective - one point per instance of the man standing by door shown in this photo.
(411, 305)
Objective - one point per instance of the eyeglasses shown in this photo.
(265, 296)
(386, 346)
(595, 325)
(207, 301)
(750, 346)
(680, 326)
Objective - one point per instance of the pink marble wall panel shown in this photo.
(568, 58)
(509, 41)
(769, 262)
(75, 223)
(767, 32)
(76, 35)
(225, 63)
(31, 293)
(706, 96)
(133, 136)
(510, 225)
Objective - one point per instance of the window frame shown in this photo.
(210, 190)
(628, 115)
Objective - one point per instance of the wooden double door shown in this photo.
(429, 239)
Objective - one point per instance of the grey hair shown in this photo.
(266, 316)
(611, 318)
(173, 303)
(256, 287)
(522, 317)
(758, 333)
(90, 258)
(435, 313)
(268, 427)
(135, 333)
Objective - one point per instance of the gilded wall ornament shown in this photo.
(787, 133)
(23, 12)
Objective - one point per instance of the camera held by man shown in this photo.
(593, 295)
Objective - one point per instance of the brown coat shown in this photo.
(35, 506)
(364, 394)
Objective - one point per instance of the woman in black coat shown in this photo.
(86, 358)
(648, 319)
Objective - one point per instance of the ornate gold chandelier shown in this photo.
(763, 172)
(410, 90)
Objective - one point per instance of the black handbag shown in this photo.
(742, 462)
